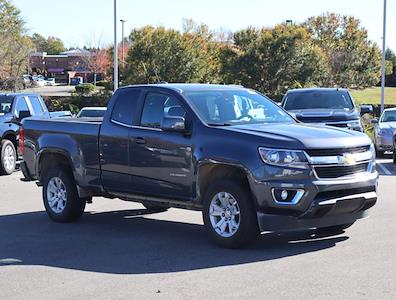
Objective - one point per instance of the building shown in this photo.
(64, 65)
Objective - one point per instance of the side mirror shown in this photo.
(174, 124)
(366, 109)
(374, 121)
(23, 114)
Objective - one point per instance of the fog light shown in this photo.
(287, 197)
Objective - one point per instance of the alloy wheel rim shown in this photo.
(56, 195)
(224, 214)
(9, 158)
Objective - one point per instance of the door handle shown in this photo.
(140, 140)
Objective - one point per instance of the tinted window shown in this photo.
(318, 100)
(21, 105)
(235, 107)
(157, 106)
(125, 106)
(5, 104)
(92, 113)
(36, 104)
(389, 116)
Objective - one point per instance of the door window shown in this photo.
(21, 105)
(157, 106)
(125, 106)
(36, 105)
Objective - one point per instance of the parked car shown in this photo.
(324, 106)
(198, 147)
(76, 80)
(13, 108)
(384, 129)
(61, 114)
(92, 112)
(39, 82)
(50, 81)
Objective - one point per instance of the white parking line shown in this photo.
(384, 169)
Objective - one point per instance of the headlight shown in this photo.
(284, 158)
(354, 124)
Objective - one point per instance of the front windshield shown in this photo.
(5, 104)
(389, 116)
(318, 100)
(234, 107)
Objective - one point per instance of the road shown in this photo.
(117, 250)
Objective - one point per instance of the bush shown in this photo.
(85, 88)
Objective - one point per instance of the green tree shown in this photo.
(352, 59)
(51, 45)
(273, 60)
(159, 54)
(390, 56)
(14, 44)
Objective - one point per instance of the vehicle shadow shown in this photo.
(125, 242)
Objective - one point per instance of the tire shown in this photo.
(240, 229)
(60, 196)
(394, 156)
(335, 229)
(379, 153)
(155, 208)
(8, 157)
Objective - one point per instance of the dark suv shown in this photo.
(13, 108)
(324, 106)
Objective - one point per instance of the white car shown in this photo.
(39, 82)
(384, 129)
(92, 112)
(50, 81)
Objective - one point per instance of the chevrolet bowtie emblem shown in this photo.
(347, 159)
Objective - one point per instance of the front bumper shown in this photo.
(384, 143)
(324, 203)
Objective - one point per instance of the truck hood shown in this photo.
(325, 115)
(303, 136)
(386, 125)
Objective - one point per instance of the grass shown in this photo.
(373, 96)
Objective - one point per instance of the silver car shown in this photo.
(383, 131)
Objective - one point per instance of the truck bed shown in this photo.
(77, 137)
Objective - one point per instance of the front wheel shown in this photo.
(229, 215)
(60, 196)
(8, 157)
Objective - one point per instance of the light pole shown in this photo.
(122, 41)
(383, 61)
(115, 48)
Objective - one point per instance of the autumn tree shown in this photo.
(273, 60)
(352, 59)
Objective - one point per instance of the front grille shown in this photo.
(342, 193)
(335, 152)
(340, 171)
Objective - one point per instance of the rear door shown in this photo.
(114, 145)
(161, 161)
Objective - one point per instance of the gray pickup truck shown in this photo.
(227, 151)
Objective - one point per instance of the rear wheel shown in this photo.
(8, 157)
(60, 196)
(229, 215)
(379, 153)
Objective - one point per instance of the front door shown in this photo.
(161, 161)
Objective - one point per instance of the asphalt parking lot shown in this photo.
(117, 250)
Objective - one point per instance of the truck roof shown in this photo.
(189, 87)
(302, 90)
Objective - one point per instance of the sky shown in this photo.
(90, 22)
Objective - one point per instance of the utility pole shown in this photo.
(122, 41)
(115, 48)
(383, 61)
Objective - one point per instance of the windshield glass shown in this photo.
(91, 113)
(236, 107)
(318, 100)
(389, 116)
(5, 104)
